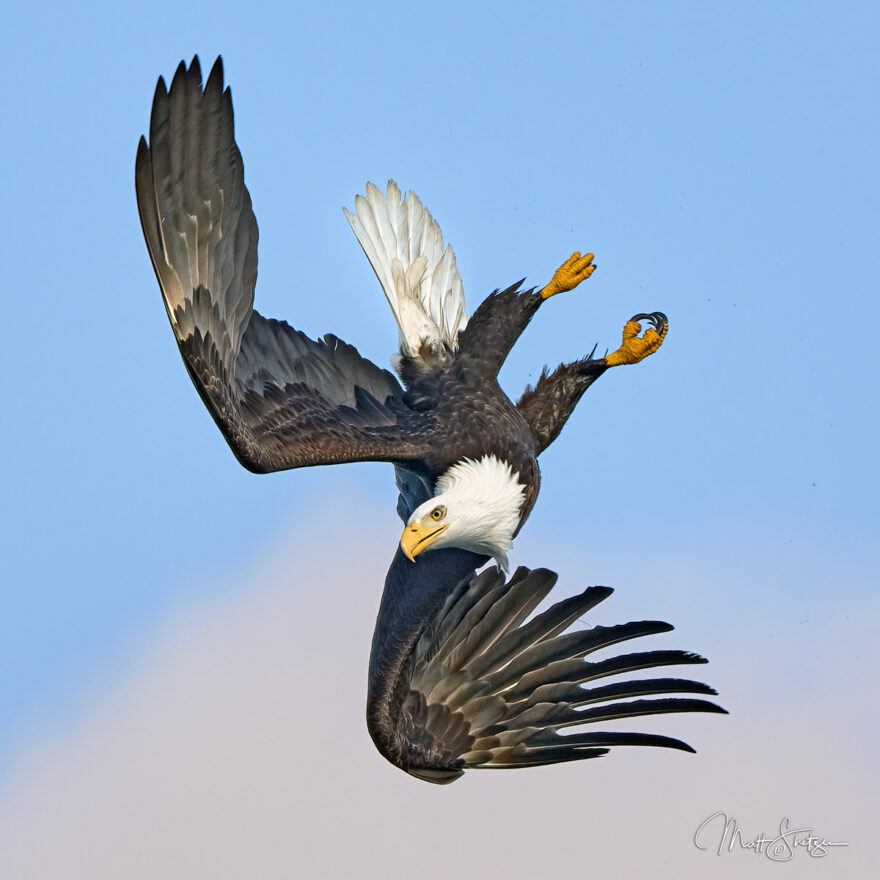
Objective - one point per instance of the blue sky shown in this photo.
(719, 160)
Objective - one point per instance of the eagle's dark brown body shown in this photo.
(453, 399)
(455, 402)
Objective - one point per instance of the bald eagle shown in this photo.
(460, 446)
(460, 675)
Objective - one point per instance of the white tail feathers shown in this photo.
(404, 245)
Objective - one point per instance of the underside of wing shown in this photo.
(281, 399)
(418, 274)
(485, 687)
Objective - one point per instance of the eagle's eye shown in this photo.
(438, 513)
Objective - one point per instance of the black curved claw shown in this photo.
(657, 319)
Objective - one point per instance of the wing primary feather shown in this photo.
(280, 399)
(494, 689)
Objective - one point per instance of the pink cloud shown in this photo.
(238, 748)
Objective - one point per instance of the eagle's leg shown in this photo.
(547, 406)
(495, 326)
(636, 348)
(575, 269)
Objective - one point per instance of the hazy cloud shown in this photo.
(238, 748)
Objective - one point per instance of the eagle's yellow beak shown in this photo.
(418, 537)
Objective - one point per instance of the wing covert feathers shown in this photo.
(281, 399)
(484, 689)
(418, 275)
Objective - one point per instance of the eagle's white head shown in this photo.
(476, 506)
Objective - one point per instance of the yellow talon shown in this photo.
(575, 269)
(636, 348)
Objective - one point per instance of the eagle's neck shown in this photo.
(484, 498)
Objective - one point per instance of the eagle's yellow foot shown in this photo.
(636, 348)
(575, 269)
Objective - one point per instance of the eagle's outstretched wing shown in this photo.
(481, 688)
(282, 400)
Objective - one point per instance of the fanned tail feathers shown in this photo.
(418, 275)
(487, 690)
